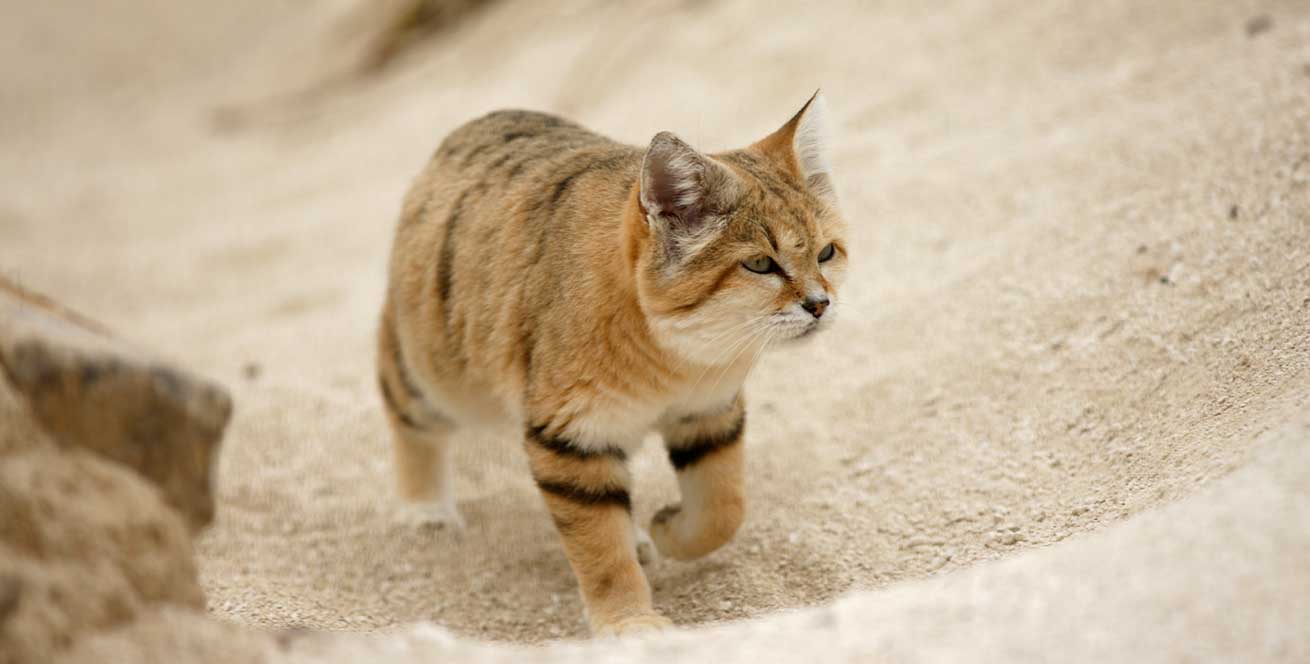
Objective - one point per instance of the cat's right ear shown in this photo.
(803, 145)
(682, 190)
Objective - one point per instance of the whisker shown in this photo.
(740, 343)
(724, 371)
(721, 335)
(755, 361)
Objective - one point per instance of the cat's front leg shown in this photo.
(586, 491)
(706, 450)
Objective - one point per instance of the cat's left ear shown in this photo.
(803, 146)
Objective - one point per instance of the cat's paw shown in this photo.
(644, 623)
(683, 536)
(661, 532)
(647, 554)
(431, 516)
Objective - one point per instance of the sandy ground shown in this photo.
(1081, 284)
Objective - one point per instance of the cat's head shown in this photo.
(740, 249)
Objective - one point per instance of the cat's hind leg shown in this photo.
(421, 437)
(425, 476)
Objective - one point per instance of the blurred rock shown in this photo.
(85, 544)
(167, 635)
(105, 460)
(89, 390)
(402, 24)
(1258, 25)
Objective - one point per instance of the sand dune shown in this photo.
(1080, 300)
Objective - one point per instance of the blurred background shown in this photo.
(1081, 281)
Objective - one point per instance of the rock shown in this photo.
(85, 544)
(166, 635)
(9, 588)
(105, 458)
(90, 390)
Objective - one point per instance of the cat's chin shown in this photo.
(801, 335)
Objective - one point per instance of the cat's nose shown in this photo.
(815, 304)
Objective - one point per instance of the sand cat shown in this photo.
(595, 292)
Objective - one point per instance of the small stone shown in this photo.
(9, 593)
(725, 605)
(1258, 25)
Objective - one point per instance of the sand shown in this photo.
(1080, 292)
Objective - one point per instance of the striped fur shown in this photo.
(693, 450)
(593, 292)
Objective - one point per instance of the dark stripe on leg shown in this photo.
(692, 451)
(430, 415)
(565, 447)
(587, 496)
(402, 368)
(402, 371)
(390, 399)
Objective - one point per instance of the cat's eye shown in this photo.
(827, 253)
(760, 264)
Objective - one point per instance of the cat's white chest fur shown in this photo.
(711, 392)
(618, 421)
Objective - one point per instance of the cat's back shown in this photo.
(510, 204)
(515, 163)
(516, 150)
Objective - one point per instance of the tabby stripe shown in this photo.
(472, 154)
(587, 496)
(696, 449)
(563, 185)
(566, 447)
(596, 163)
(709, 292)
(402, 367)
(390, 398)
(752, 164)
(446, 266)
